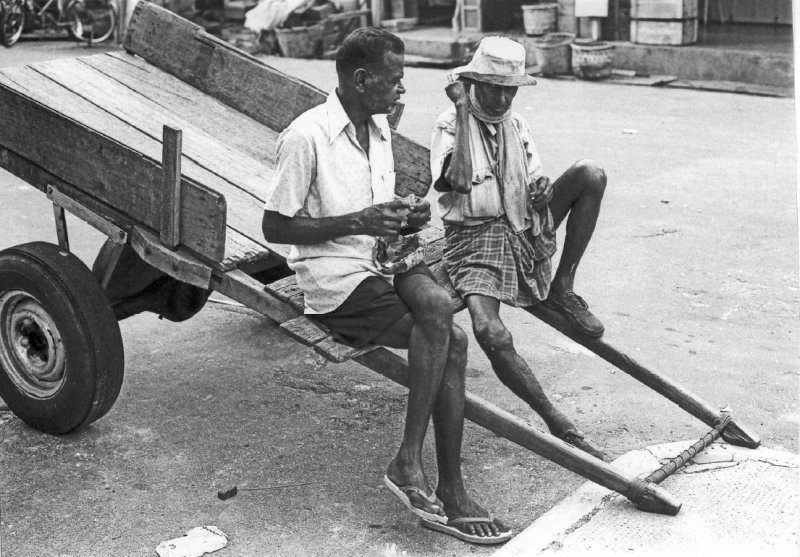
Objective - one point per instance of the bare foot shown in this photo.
(405, 475)
(457, 504)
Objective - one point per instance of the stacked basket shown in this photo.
(591, 59)
(539, 19)
(553, 55)
(300, 42)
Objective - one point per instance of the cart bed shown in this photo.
(128, 101)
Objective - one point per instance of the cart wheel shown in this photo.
(61, 355)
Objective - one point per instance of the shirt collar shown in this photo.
(338, 119)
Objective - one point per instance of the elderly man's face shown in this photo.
(384, 85)
(494, 99)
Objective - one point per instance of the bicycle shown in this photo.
(84, 20)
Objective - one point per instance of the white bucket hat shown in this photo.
(499, 61)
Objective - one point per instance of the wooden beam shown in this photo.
(170, 230)
(61, 226)
(735, 433)
(114, 232)
(175, 263)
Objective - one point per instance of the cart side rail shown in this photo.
(43, 147)
(245, 83)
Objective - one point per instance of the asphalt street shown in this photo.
(693, 268)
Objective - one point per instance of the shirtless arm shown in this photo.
(457, 171)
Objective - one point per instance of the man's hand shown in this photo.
(420, 213)
(457, 91)
(542, 192)
(384, 219)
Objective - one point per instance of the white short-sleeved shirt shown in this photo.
(322, 171)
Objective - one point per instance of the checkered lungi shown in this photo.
(490, 259)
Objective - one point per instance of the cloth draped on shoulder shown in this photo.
(507, 258)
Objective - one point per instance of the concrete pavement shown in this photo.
(693, 268)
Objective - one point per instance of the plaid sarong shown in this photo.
(491, 260)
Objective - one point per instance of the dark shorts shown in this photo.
(371, 310)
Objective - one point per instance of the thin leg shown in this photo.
(577, 193)
(426, 334)
(497, 342)
(448, 423)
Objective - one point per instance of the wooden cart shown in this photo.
(167, 149)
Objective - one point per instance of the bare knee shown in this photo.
(492, 336)
(592, 175)
(437, 310)
(458, 340)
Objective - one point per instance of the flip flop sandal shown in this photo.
(401, 493)
(451, 528)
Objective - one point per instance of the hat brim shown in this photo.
(504, 80)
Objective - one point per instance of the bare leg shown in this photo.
(425, 298)
(426, 334)
(513, 371)
(498, 344)
(579, 193)
(448, 423)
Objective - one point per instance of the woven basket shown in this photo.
(553, 55)
(300, 42)
(539, 19)
(592, 60)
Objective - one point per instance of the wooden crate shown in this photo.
(664, 32)
(664, 9)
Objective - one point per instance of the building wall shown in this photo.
(751, 11)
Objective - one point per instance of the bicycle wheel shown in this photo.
(93, 20)
(12, 20)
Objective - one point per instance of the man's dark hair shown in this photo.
(365, 48)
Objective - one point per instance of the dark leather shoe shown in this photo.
(576, 311)
(575, 439)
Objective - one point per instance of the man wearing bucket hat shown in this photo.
(500, 215)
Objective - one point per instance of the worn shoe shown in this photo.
(576, 310)
(575, 439)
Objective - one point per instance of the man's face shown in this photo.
(384, 85)
(494, 99)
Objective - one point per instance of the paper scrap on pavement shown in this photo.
(196, 542)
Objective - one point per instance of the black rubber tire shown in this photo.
(12, 20)
(88, 338)
(83, 15)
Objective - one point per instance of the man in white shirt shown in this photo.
(500, 215)
(331, 196)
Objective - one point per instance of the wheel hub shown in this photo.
(31, 349)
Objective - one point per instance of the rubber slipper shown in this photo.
(451, 528)
(402, 493)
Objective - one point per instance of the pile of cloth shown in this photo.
(272, 14)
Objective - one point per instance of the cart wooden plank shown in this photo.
(241, 132)
(245, 83)
(208, 150)
(112, 171)
(245, 251)
(78, 92)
